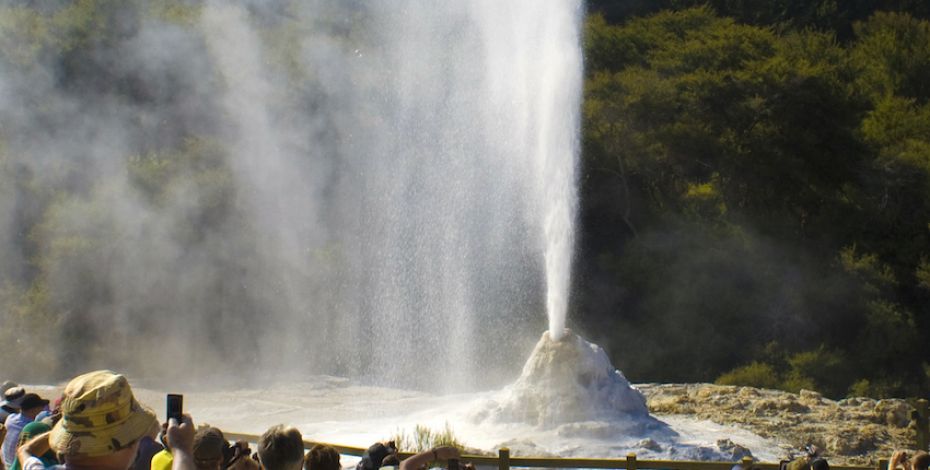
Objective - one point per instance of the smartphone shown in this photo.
(175, 406)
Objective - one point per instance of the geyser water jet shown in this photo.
(558, 141)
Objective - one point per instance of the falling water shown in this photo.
(383, 190)
(455, 173)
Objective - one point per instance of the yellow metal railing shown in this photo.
(504, 461)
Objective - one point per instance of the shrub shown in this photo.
(424, 438)
(756, 374)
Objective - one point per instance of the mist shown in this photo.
(223, 191)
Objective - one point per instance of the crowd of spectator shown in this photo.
(98, 424)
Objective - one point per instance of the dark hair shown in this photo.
(390, 461)
(322, 457)
(209, 447)
(280, 448)
(820, 464)
(920, 460)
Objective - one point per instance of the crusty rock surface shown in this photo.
(853, 431)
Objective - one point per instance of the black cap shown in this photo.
(31, 400)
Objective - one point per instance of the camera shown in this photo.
(175, 406)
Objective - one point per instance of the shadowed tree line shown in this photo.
(755, 193)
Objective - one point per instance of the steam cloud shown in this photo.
(286, 188)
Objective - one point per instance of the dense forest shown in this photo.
(755, 193)
(755, 189)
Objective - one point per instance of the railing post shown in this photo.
(747, 462)
(503, 459)
(631, 461)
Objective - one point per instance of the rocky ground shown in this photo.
(853, 431)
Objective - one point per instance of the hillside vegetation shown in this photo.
(755, 194)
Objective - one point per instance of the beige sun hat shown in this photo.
(100, 416)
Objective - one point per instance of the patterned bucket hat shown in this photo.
(100, 416)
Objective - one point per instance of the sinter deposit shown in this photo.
(570, 393)
(566, 381)
(851, 431)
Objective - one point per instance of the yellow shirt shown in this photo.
(162, 460)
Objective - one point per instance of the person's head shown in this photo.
(373, 458)
(209, 445)
(31, 430)
(322, 457)
(13, 397)
(102, 422)
(245, 463)
(391, 461)
(820, 464)
(31, 405)
(920, 460)
(281, 448)
(8, 384)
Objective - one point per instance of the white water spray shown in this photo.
(559, 96)
(378, 190)
(446, 196)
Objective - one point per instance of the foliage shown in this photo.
(748, 180)
(424, 438)
(756, 374)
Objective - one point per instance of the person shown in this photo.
(820, 463)
(418, 461)
(240, 457)
(811, 455)
(374, 456)
(180, 439)
(51, 416)
(281, 448)
(2, 437)
(322, 457)
(101, 426)
(209, 448)
(148, 447)
(162, 460)
(30, 407)
(12, 397)
(391, 461)
(904, 460)
(30, 431)
(244, 463)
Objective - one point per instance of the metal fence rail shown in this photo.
(503, 460)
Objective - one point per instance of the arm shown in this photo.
(2, 437)
(898, 458)
(420, 460)
(180, 437)
(33, 448)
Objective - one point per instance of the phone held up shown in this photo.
(175, 406)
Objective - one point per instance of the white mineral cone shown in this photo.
(569, 381)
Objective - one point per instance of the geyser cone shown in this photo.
(567, 381)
